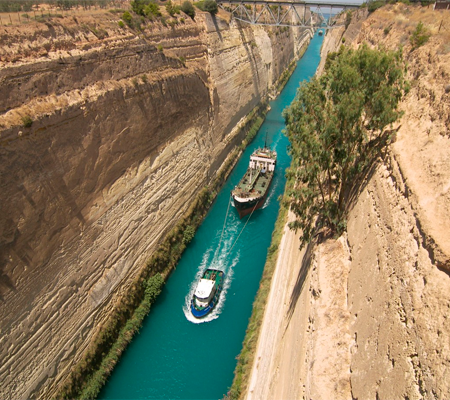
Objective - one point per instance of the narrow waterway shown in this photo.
(176, 356)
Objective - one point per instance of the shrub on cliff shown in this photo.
(375, 5)
(188, 9)
(188, 234)
(420, 36)
(146, 8)
(172, 9)
(126, 16)
(337, 129)
(211, 7)
(27, 121)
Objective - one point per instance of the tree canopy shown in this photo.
(337, 128)
(188, 9)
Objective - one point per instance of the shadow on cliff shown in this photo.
(300, 283)
(378, 155)
(6, 283)
(216, 25)
(251, 59)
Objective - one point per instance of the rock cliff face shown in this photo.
(394, 323)
(367, 316)
(125, 129)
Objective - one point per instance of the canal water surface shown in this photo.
(175, 356)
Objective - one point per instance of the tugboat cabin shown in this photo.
(204, 292)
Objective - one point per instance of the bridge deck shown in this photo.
(308, 3)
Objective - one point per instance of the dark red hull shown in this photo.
(246, 208)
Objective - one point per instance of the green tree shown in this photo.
(337, 128)
(138, 6)
(152, 10)
(211, 7)
(188, 9)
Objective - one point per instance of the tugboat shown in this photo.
(207, 293)
(251, 192)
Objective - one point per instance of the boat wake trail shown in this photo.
(222, 263)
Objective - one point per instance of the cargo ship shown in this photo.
(251, 191)
(207, 293)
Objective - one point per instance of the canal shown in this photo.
(176, 356)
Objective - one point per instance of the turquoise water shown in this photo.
(176, 356)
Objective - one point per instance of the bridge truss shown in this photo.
(308, 14)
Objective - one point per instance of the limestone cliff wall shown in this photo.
(391, 309)
(366, 316)
(126, 129)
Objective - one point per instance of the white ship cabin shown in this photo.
(262, 161)
(204, 292)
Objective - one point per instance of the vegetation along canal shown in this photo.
(176, 356)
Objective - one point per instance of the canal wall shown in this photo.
(107, 135)
(366, 315)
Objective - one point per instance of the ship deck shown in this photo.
(261, 183)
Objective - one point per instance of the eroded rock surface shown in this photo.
(367, 316)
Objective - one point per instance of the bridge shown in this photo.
(304, 14)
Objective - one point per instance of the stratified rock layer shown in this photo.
(126, 129)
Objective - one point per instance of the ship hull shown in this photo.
(246, 208)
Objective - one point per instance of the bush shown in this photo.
(188, 9)
(152, 9)
(211, 7)
(420, 36)
(138, 6)
(27, 121)
(172, 9)
(126, 16)
(188, 234)
(375, 5)
(153, 288)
